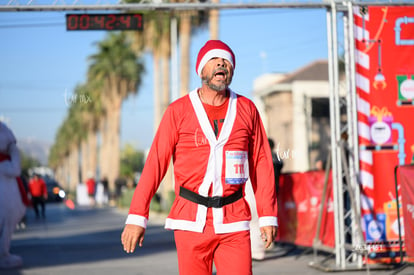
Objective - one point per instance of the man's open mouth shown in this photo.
(220, 74)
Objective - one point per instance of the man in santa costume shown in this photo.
(217, 142)
(12, 208)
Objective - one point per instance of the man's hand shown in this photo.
(268, 234)
(132, 235)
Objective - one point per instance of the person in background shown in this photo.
(120, 184)
(105, 185)
(12, 207)
(320, 164)
(38, 192)
(217, 142)
(91, 188)
(277, 164)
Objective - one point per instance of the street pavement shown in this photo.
(87, 241)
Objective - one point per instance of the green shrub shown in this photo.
(124, 201)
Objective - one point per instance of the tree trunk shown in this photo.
(165, 64)
(84, 171)
(66, 173)
(113, 160)
(60, 174)
(185, 42)
(165, 51)
(92, 151)
(214, 22)
(157, 85)
(103, 155)
(74, 167)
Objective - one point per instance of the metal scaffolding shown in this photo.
(345, 167)
(87, 5)
(349, 240)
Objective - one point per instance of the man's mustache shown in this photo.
(225, 70)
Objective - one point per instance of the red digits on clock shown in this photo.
(110, 22)
(99, 20)
(84, 22)
(138, 20)
(105, 21)
(72, 22)
(125, 22)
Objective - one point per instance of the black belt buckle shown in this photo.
(215, 202)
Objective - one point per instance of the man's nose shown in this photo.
(221, 62)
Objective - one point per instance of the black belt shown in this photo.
(216, 201)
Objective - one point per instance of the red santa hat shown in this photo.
(214, 48)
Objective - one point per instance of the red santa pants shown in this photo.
(231, 252)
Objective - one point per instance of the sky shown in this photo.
(41, 64)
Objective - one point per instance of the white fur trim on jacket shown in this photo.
(137, 220)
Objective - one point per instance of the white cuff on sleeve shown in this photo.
(137, 220)
(268, 221)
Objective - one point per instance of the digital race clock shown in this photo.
(104, 21)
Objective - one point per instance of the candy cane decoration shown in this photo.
(363, 85)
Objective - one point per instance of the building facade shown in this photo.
(295, 112)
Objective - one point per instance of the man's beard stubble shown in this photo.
(218, 88)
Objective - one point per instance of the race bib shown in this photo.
(237, 167)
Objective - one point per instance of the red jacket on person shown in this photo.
(90, 184)
(37, 187)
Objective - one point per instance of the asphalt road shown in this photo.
(87, 241)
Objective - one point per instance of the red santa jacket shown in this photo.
(203, 162)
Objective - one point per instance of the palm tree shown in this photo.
(162, 53)
(97, 113)
(214, 22)
(189, 23)
(185, 42)
(118, 69)
(67, 146)
(156, 39)
(78, 132)
(90, 112)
